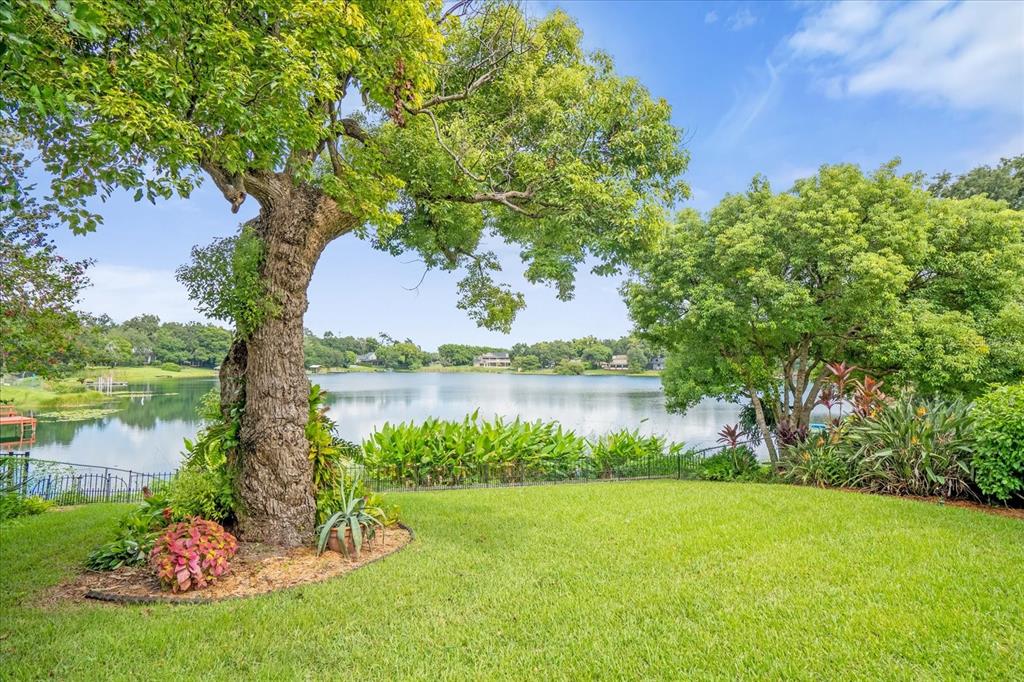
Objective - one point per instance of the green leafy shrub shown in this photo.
(380, 508)
(908, 447)
(136, 533)
(627, 453)
(122, 551)
(730, 464)
(13, 505)
(436, 452)
(205, 484)
(207, 493)
(570, 367)
(999, 443)
(224, 281)
(170, 366)
(191, 554)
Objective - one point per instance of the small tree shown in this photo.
(754, 299)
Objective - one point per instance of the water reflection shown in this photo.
(147, 435)
(588, 405)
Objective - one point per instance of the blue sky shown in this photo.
(772, 88)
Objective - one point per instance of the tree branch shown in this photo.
(502, 198)
(233, 189)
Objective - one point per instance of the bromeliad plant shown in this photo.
(192, 554)
(354, 522)
(912, 448)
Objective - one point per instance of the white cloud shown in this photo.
(124, 291)
(711, 17)
(748, 107)
(967, 54)
(740, 20)
(989, 155)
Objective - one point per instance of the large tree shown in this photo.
(39, 327)
(753, 299)
(417, 127)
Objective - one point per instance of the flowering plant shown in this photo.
(191, 554)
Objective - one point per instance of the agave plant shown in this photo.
(354, 517)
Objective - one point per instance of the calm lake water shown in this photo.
(147, 435)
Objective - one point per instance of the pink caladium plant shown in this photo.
(192, 554)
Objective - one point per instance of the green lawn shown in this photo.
(43, 397)
(147, 373)
(661, 579)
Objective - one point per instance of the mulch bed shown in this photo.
(255, 569)
(1009, 512)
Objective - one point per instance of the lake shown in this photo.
(147, 435)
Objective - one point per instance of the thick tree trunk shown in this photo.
(266, 372)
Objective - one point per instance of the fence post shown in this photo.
(106, 484)
(24, 473)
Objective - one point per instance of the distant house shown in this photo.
(492, 360)
(315, 369)
(366, 359)
(618, 363)
(657, 363)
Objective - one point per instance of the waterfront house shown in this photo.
(500, 359)
(618, 363)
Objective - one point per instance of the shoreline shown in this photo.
(464, 369)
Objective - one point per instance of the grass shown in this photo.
(147, 373)
(44, 397)
(655, 580)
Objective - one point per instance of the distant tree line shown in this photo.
(145, 340)
(570, 357)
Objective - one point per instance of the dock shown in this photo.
(25, 427)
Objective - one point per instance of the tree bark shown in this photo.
(769, 442)
(266, 372)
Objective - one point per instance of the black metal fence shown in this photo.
(66, 483)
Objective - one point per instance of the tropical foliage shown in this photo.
(135, 535)
(438, 452)
(623, 454)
